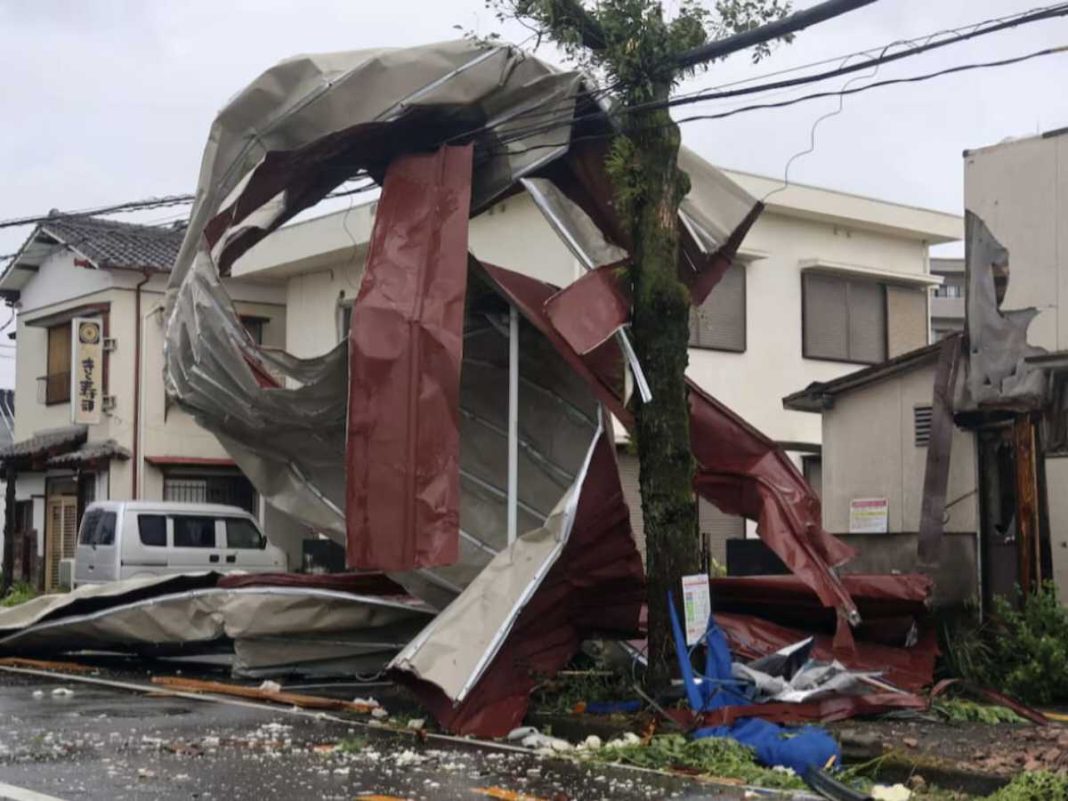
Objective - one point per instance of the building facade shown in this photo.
(947, 300)
(825, 281)
(84, 434)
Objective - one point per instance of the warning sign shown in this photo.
(868, 516)
(696, 605)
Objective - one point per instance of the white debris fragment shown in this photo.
(521, 733)
(271, 687)
(368, 702)
(62, 692)
(891, 792)
(38, 693)
(416, 724)
(378, 713)
(591, 743)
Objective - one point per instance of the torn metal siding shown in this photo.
(997, 370)
(406, 343)
(279, 146)
(527, 614)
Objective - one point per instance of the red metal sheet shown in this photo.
(596, 588)
(911, 669)
(589, 311)
(823, 710)
(743, 472)
(405, 345)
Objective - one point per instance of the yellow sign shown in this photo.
(87, 370)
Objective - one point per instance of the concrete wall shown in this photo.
(1017, 188)
(1057, 494)
(956, 580)
(869, 451)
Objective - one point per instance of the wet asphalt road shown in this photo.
(101, 743)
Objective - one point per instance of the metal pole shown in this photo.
(9, 531)
(821, 12)
(513, 423)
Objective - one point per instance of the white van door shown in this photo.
(143, 544)
(195, 544)
(245, 546)
(96, 558)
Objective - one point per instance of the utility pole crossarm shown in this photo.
(821, 12)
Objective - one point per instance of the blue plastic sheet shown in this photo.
(797, 748)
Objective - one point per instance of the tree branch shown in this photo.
(572, 12)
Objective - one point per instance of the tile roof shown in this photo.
(107, 243)
(45, 443)
(90, 452)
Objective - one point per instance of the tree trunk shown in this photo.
(661, 334)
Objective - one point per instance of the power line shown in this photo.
(142, 205)
(970, 32)
(804, 98)
(963, 33)
(786, 26)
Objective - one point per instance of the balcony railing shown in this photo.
(53, 388)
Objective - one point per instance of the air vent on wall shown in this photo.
(921, 417)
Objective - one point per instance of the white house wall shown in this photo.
(755, 382)
(869, 451)
(1017, 189)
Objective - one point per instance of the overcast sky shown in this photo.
(109, 100)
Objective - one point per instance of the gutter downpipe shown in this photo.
(135, 479)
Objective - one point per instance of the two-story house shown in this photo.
(826, 281)
(93, 421)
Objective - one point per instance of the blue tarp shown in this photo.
(796, 748)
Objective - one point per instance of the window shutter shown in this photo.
(826, 329)
(867, 322)
(906, 319)
(57, 381)
(921, 420)
(719, 322)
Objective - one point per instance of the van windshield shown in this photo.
(241, 533)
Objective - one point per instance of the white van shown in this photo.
(124, 539)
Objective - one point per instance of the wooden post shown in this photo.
(9, 531)
(1030, 573)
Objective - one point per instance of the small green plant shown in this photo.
(960, 710)
(20, 593)
(563, 693)
(719, 757)
(352, 745)
(1039, 785)
(1028, 648)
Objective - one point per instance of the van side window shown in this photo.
(153, 530)
(105, 529)
(89, 523)
(98, 528)
(241, 533)
(194, 532)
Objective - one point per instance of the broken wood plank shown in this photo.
(258, 694)
(43, 664)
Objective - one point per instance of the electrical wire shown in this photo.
(806, 98)
(724, 91)
(972, 31)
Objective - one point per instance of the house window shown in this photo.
(230, 488)
(719, 322)
(57, 377)
(812, 467)
(949, 291)
(254, 326)
(844, 319)
(344, 321)
(921, 422)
